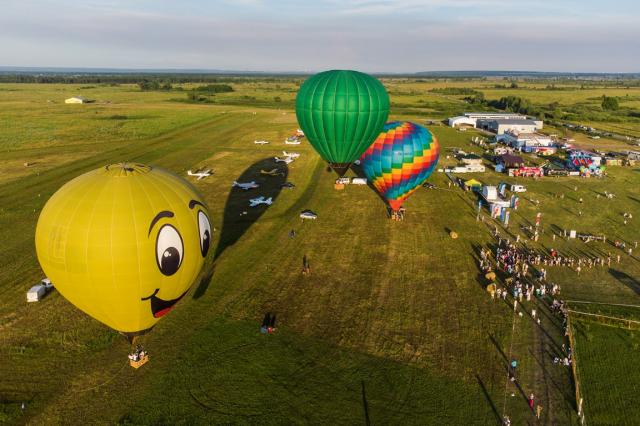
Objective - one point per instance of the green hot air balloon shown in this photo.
(341, 113)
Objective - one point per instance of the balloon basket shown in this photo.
(338, 186)
(137, 364)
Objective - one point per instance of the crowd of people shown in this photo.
(525, 280)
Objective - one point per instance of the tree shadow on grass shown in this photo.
(626, 279)
(238, 215)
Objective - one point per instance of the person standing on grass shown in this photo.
(538, 411)
(531, 401)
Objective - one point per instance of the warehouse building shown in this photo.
(518, 125)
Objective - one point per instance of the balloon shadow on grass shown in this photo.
(359, 172)
(238, 215)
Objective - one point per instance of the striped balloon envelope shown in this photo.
(401, 158)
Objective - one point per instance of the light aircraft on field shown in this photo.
(201, 174)
(299, 132)
(261, 142)
(260, 200)
(291, 154)
(292, 141)
(274, 172)
(246, 186)
(286, 160)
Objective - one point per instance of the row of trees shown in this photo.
(135, 78)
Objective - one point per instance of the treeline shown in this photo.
(454, 91)
(203, 94)
(112, 79)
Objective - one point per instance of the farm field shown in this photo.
(393, 326)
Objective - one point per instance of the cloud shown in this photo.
(303, 38)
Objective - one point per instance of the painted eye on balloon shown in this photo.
(204, 227)
(169, 250)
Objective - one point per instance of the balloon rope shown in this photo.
(102, 384)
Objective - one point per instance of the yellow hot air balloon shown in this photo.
(124, 243)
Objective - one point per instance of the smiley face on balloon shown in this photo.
(124, 243)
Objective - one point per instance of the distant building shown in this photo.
(497, 122)
(77, 100)
(517, 125)
(471, 159)
(462, 121)
(527, 142)
(493, 115)
(509, 161)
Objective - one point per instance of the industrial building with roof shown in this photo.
(497, 122)
(502, 125)
(527, 142)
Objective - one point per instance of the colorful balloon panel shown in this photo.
(124, 243)
(401, 158)
(341, 113)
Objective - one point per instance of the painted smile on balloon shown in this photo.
(160, 307)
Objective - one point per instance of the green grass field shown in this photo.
(606, 356)
(394, 324)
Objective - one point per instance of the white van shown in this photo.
(38, 291)
(359, 181)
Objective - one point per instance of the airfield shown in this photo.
(393, 325)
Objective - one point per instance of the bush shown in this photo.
(514, 104)
(609, 103)
(214, 88)
(454, 91)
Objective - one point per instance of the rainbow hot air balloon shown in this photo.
(341, 113)
(124, 243)
(400, 160)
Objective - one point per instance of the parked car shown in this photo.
(308, 214)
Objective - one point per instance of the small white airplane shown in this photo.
(201, 174)
(291, 154)
(261, 142)
(285, 160)
(292, 141)
(299, 132)
(246, 186)
(260, 200)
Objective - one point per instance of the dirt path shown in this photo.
(551, 382)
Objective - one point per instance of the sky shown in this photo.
(312, 35)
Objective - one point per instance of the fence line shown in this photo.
(574, 368)
(608, 320)
(603, 303)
